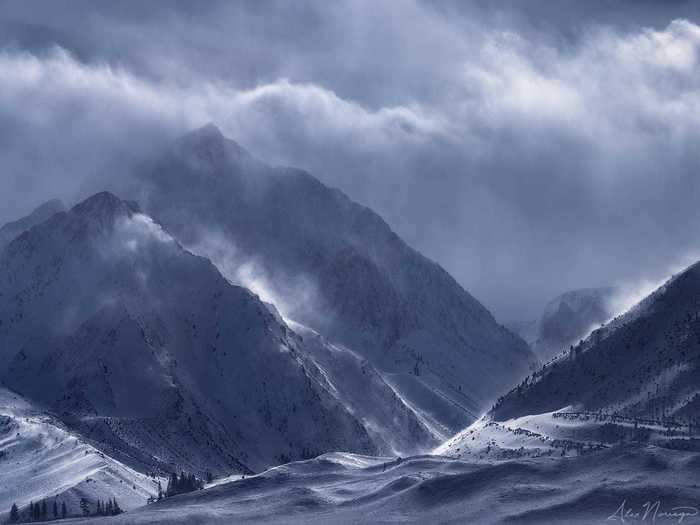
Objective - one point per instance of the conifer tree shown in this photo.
(55, 509)
(85, 506)
(64, 510)
(14, 513)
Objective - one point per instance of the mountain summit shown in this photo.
(207, 149)
(148, 350)
(336, 267)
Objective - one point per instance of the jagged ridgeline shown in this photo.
(339, 269)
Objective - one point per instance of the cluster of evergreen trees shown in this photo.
(109, 508)
(38, 512)
(183, 483)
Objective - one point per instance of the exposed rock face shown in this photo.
(146, 348)
(339, 269)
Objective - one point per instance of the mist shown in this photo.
(526, 154)
(289, 295)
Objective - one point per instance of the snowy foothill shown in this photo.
(350, 489)
(41, 460)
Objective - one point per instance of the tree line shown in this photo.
(37, 512)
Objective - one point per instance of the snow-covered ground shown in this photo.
(345, 488)
(39, 460)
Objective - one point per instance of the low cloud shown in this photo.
(523, 163)
(289, 295)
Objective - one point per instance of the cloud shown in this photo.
(524, 161)
(292, 293)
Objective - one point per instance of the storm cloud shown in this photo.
(527, 151)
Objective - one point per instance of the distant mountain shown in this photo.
(12, 229)
(336, 267)
(645, 363)
(567, 319)
(634, 379)
(147, 350)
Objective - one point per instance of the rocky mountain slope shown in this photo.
(336, 267)
(645, 363)
(148, 350)
(635, 379)
(12, 229)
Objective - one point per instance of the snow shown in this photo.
(40, 459)
(392, 423)
(345, 489)
(337, 268)
(152, 353)
(135, 355)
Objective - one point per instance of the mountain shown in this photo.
(567, 319)
(363, 390)
(40, 459)
(644, 363)
(634, 379)
(336, 267)
(12, 229)
(148, 351)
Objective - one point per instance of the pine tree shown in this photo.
(55, 509)
(44, 510)
(64, 510)
(172, 485)
(85, 506)
(31, 509)
(14, 513)
(116, 508)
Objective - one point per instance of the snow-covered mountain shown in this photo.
(644, 363)
(338, 268)
(41, 460)
(634, 379)
(567, 319)
(12, 229)
(148, 351)
(392, 425)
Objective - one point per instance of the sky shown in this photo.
(528, 147)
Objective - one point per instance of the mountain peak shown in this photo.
(209, 131)
(208, 147)
(104, 205)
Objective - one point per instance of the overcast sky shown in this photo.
(528, 147)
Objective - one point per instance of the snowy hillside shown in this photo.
(336, 267)
(634, 380)
(394, 427)
(12, 229)
(149, 351)
(643, 364)
(40, 459)
(351, 489)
